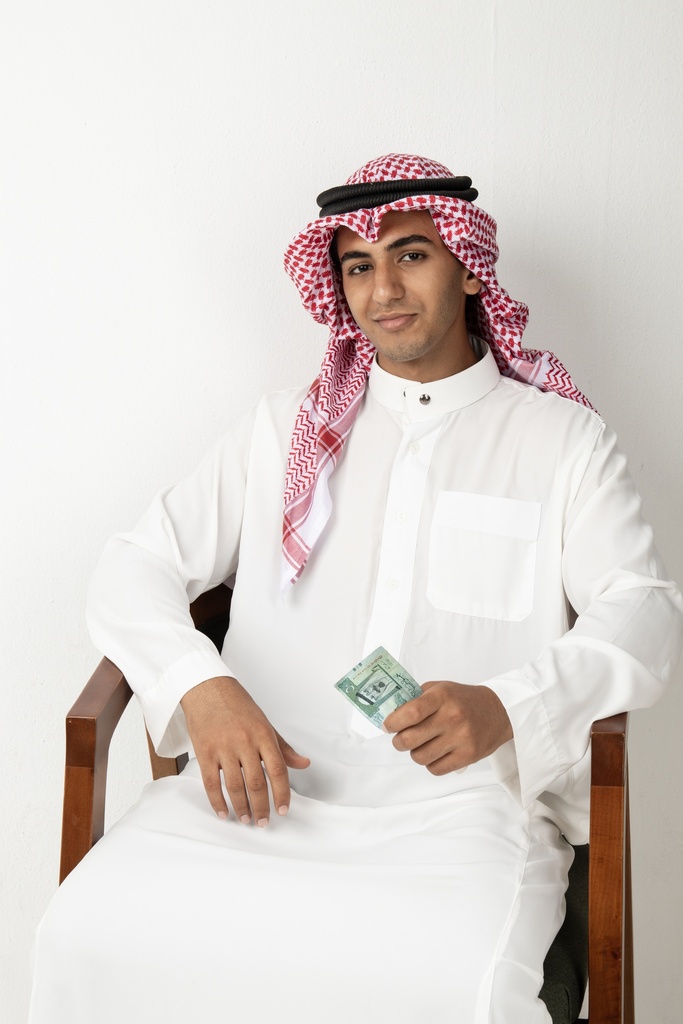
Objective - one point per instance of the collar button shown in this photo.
(425, 399)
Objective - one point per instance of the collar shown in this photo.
(418, 401)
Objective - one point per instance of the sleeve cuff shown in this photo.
(528, 764)
(164, 716)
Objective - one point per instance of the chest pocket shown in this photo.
(482, 555)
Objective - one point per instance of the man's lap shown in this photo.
(401, 913)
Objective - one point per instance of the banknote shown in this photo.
(378, 685)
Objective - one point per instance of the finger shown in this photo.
(256, 786)
(234, 783)
(290, 755)
(211, 777)
(278, 776)
(452, 762)
(416, 735)
(433, 750)
(411, 713)
(292, 759)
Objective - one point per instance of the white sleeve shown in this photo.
(625, 642)
(138, 603)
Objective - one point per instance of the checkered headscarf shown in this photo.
(330, 407)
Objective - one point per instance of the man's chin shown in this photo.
(400, 354)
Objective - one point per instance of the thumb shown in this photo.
(292, 759)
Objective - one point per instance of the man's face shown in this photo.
(407, 292)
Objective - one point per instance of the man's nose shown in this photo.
(387, 285)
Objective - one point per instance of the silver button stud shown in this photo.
(425, 399)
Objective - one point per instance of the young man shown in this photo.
(450, 497)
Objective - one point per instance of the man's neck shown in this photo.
(427, 369)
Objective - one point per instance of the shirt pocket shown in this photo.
(482, 555)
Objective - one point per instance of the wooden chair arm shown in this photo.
(90, 725)
(608, 751)
(610, 934)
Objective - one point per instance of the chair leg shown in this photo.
(629, 996)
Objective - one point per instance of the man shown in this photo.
(450, 497)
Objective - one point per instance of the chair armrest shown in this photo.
(610, 945)
(608, 751)
(90, 725)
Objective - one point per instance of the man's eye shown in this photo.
(412, 257)
(360, 268)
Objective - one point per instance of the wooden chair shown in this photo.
(598, 913)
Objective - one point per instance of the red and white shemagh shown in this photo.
(333, 400)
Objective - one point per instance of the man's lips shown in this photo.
(394, 322)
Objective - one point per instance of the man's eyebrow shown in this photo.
(400, 243)
(354, 254)
(409, 240)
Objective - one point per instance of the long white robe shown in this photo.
(474, 519)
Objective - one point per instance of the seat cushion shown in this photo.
(566, 965)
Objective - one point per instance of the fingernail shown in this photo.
(245, 819)
(262, 822)
(384, 728)
(283, 809)
(222, 814)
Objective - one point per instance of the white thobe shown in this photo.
(482, 532)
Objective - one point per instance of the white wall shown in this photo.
(157, 156)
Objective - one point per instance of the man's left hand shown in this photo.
(450, 726)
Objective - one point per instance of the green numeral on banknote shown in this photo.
(378, 685)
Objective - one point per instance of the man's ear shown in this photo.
(471, 284)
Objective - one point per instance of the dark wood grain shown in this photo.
(610, 949)
(90, 725)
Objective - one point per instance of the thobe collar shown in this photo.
(418, 401)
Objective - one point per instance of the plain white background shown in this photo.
(156, 158)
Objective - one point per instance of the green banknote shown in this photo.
(378, 685)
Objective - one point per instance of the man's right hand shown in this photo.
(229, 732)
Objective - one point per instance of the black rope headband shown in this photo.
(345, 198)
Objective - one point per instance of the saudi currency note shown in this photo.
(378, 685)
